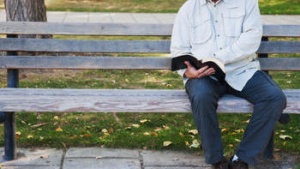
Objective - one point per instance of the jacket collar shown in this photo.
(203, 2)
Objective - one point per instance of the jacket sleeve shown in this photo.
(180, 40)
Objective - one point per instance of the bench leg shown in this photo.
(9, 124)
(268, 153)
(9, 137)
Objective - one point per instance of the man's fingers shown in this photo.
(188, 64)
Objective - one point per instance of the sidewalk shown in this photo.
(151, 18)
(96, 158)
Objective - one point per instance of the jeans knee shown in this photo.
(279, 100)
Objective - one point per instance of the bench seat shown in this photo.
(118, 100)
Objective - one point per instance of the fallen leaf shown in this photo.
(194, 132)
(29, 136)
(284, 137)
(284, 143)
(195, 144)
(225, 130)
(147, 134)
(104, 131)
(166, 127)
(135, 125)
(144, 121)
(18, 133)
(158, 129)
(38, 125)
(55, 118)
(59, 129)
(167, 143)
(237, 140)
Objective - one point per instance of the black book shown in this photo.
(178, 63)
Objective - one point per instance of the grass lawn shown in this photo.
(136, 130)
(161, 6)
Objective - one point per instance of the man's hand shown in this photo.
(193, 73)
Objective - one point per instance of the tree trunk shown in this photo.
(26, 11)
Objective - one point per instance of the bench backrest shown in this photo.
(286, 43)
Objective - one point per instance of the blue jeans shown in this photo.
(268, 101)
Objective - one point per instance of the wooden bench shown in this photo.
(13, 99)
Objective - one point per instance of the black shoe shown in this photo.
(2, 117)
(238, 164)
(223, 164)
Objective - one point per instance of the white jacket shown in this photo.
(230, 30)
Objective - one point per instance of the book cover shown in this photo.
(178, 63)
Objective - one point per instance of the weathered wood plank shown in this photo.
(270, 47)
(281, 30)
(91, 46)
(84, 62)
(119, 29)
(114, 100)
(133, 63)
(85, 28)
(119, 46)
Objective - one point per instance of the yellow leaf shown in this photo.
(29, 136)
(230, 145)
(18, 133)
(144, 121)
(166, 127)
(284, 137)
(167, 143)
(59, 129)
(181, 134)
(194, 132)
(224, 130)
(195, 144)
(135, 125)
(104, 131)
(237, 140)
(284, 143)
(147, 134)
(158, 129)
(55, 118)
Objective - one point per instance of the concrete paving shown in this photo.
(95, 158)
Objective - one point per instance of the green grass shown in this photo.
(161, 6)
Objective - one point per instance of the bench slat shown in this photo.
(119, 29)
(91, 46)
(89, 62)
(114, 100)
(119, 46)
(270, 47)
(85, 29)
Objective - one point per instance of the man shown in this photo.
(230, 31)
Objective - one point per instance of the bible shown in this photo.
(178, 63)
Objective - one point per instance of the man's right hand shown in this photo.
(193, 73)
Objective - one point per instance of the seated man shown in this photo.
(231, 32)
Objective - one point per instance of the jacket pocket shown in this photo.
(233, 23)
(202, 31)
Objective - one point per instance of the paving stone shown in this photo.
(34, 159)
(155, 159)
(95, 152)
(117, 163)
